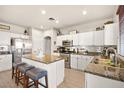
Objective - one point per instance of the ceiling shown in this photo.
(31, 16)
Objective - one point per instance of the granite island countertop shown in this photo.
(107, 71)
(46, 59)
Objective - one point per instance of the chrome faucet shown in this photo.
(113, 55)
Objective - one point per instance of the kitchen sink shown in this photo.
(102, 61)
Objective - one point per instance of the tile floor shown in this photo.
(73, 79)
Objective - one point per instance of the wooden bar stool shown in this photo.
(35, 74)
(15, 66)
(22, 72)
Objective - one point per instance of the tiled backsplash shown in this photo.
(92, 48)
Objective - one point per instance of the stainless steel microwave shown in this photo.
(67, 43)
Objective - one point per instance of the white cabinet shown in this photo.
(59, 72)
(54, 70)
(13, 35)
(74, 61)
(5, 62)
(80, 62)
(110, 34)
(68, 37)
(4, 38)
(75, 39)
(99, 37)
(59, 41)
(86, 38)
(83, 61)
(94, 81)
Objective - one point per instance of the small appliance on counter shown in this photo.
(4, 49)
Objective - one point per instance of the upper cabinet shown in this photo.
(4, 38)
(75, 39)
(86, 38)
(68, 37)
(110, 34)
(62, 38)
(99, 37)
(59, 41)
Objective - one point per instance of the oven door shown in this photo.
(66, 57)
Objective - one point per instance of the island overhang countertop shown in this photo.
(46, 59)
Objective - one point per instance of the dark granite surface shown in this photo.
(106, 70)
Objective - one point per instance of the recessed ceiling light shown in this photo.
(84, 12)
(57, 21)
(43, 12)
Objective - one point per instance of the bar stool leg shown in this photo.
(26, 82)
(36, 83)
(12, 72)
(18, 75)
(16, 72)
(46, 81)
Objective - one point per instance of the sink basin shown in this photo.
(104, 62)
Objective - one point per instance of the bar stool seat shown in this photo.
(35, 74)
(16, 64)
(22, 70)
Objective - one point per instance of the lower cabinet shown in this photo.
(80, 62)
(94, 81)
(5, 62)
(73, 61)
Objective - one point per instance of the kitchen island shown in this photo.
(54, 65)
(104, 75)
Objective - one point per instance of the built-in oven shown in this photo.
(67, 43)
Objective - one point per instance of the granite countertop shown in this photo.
(105, 70)
(46, 59)
(88, 54)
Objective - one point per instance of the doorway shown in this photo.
(47, 46)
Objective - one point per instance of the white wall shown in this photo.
(52, 34)
(90, 26)
(37, 39)
(14, 28)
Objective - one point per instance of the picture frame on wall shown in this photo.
(4, 27)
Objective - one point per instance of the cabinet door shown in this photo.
(13, 35)
(5, 62)
(4, 38)
(86, 38)
(68, 37)
(81, 62)
(110, 34)
(59, 41)
(59, 71)
(75, 39)
(98, 37)
(74, 61)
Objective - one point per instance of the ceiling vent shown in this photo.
(51, 19)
